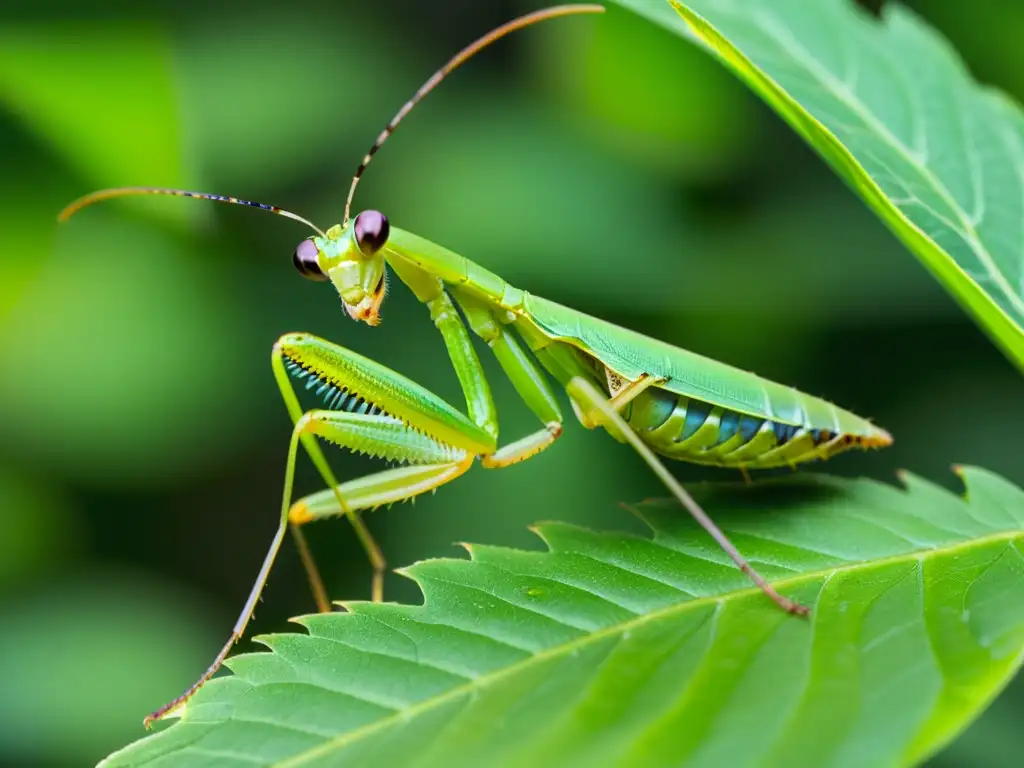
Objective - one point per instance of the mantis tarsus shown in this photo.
(658, 398)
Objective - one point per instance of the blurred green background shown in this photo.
(597, 161)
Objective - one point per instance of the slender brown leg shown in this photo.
(316, 582)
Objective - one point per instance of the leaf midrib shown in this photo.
(825, 78)
(343, 740)
(850, 99)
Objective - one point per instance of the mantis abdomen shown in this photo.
(695, 431)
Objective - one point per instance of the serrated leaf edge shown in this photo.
(343, 740)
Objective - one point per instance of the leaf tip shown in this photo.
(469, 548)
(406, 571)
(540, 529)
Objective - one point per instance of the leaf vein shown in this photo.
(640, 574)
(784, 38)
(503, 599)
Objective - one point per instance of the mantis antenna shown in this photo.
(453, 63)
(447, 69)
(106, 194)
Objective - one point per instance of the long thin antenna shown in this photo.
(106, 194)
(453, 63)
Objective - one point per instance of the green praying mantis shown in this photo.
(659, 399)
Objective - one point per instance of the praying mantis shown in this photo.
(657, 398)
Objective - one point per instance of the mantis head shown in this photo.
(352, 258)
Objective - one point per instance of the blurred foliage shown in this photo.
(124, 623)
(140, 428)
(95, 135)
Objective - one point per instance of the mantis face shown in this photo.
(353, 260)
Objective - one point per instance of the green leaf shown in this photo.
(891, 107)
(617, 650)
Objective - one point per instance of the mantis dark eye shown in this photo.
(372, 230)
(305, 261)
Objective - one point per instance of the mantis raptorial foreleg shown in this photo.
(316, 455)
(590, 400)
(527, 378)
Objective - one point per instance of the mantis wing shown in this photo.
(631, 354)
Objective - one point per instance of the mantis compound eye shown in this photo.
(372, 230)
(305, 260)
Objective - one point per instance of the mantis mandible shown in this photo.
(659, 399)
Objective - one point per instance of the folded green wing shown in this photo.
(631, 354)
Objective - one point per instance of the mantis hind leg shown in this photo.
(592, 401)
